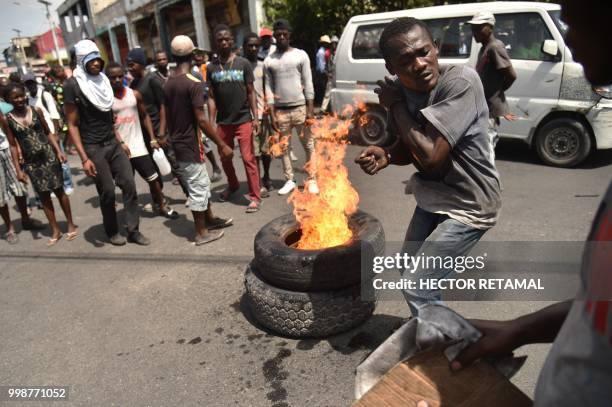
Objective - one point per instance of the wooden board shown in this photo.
(428, 377)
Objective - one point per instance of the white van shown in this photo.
(559, 113)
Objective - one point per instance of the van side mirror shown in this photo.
(550, 47)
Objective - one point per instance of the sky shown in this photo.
(29, 16)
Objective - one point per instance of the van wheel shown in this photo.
(563, 142)
(372, 126)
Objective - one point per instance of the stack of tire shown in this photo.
(310, 293)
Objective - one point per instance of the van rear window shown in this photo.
(454, 38)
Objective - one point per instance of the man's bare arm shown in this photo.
(212, 106)
(509, 77)
(142, 112)
(163, 131)
(225, 151)
(72, 116)
(14, 147)
(502, 337)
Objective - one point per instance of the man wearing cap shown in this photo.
(290, 96)
(494, 68)
(151, 90)
(321, 59)
(266, 47)
(200, 65)
(330, 73)
(88, 101)
(184, 102)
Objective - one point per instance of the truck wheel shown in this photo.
(333, 268)
(372, 125)
(300, 314)
(563, 142)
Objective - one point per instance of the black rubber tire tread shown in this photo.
(305, 315)
(575, 125)
(315, 270)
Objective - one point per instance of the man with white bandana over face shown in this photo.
(88, 99)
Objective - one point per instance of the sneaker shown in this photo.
(312, 187)
(217, 175)
(117, 240)
(293, 156)
(148, 208)
(138, 238)
(264, 193)
(288, 187)
(69, 190)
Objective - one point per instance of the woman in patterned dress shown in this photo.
(42, 158)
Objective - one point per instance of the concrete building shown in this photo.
(119, 25)
(114, 31)
(75, 21)
(157, 22)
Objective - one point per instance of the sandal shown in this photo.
(11, 237)
(53, 241)
(219, 223)
(225, 195)
(70, 236)
(253, 207)
(208, 237)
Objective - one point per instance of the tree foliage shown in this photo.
(312, 18)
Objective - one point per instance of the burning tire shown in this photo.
(305, 314)
(314, 270)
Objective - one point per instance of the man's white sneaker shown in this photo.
(288, 187)
(68, 190)
(312, 186)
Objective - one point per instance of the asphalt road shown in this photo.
(166, 325)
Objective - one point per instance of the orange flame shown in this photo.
(324, 217)
(278, 144)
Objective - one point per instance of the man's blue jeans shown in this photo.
(429, 235)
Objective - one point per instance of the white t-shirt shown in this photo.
(127, 123)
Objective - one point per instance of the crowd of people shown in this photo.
(444, 120)
(121, 120)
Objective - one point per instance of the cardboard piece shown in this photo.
(427, 376)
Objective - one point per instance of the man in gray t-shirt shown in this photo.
(494, 68)
(439, 117)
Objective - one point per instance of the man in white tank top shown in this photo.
(128, 109)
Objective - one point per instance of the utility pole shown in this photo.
(24, 67)
(52, 24)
